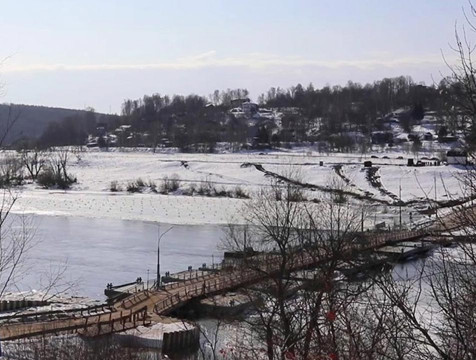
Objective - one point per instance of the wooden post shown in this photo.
(166, 342)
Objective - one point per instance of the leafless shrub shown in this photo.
(56, 171)
(192, 188)
(174, 182)
(114, 186)
(133, 187)
(152, 186)
(169, 185)
(33, 161)
(240, 193)
(11, 171)
(140, 183)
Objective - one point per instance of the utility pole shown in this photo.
(436, 204)
(244, 240)
(400, 204)
(158, 257)
(332, 230)
(362, 221)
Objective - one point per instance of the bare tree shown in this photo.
(15, 240)
(437, 303)
(463, 73)
(11, 170)
(295, 309)
(211, 339)
(59, 164)
(33, 161)
(55, 170)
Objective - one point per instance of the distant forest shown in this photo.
(33, 126)
(280, 117)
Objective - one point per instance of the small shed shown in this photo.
(457, 157)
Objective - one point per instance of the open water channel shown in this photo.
(93, 252)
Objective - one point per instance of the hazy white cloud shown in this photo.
(253, 61)
(104, 86)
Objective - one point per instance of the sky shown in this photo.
(91, 53)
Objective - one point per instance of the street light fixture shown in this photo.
(159, 237)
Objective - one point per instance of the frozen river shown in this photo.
(94, 252)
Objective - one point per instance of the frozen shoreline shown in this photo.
(171, 209)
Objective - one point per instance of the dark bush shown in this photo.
(49, 179)
(152, 186)
(170, 184)
(240, 193)
(133, 187)
(114, 187)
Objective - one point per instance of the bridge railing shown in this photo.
(263, 266)
(54, 314)
(228, 280)
(178, 293)
(137, 298)
(102, 324)
(381, 238)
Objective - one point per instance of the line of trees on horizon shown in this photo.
(306, 114)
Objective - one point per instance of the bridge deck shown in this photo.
(135, 308)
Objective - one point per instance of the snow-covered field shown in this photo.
(95, 170)
(420, 182)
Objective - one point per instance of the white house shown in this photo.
(249, 108)
(457, 157)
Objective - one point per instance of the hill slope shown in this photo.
(32, 120)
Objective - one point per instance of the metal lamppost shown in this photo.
(159, 237)
(147, 279)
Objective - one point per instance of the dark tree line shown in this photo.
(189, 122)
(355, 106)
(328, 115)
(72, 130)
(307, 114)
